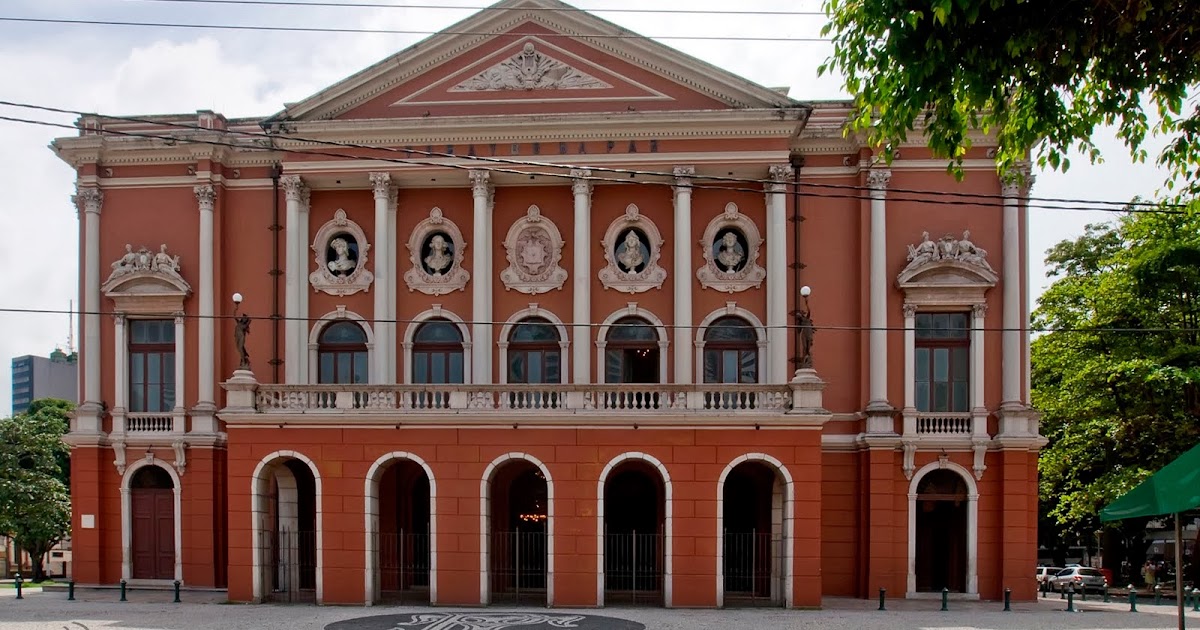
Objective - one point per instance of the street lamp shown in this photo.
(806, 329)
(241, 328)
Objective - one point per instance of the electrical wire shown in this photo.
(565, 9)
(829, 327)
(893, 193)
(389, 31)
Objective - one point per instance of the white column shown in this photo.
(978, 398)
(89, 414)
(1015, 185)
(581, 279)
(180, 376)
(390, 287)
(877, 388)
(305, 256)
(382, 187)
(481, 280)
(293, 268)
(203, 414)
(120, 366)
(777, 287)
(683, 273)
(910, 357)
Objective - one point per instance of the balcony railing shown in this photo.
(140, 422)
(533, 399)
(953, 423)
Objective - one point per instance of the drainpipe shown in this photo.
(275, 273)
(797, 162)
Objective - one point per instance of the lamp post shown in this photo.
(241, 328)
(806, 330)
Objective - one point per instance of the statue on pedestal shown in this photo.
(240, 330)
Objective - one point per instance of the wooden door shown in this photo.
(153, 548)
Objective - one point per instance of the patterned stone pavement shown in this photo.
(153, 611)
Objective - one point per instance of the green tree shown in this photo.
(1117, 380)
(35, 505)
(1042, 74)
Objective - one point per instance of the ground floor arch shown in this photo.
(286, 513)
(401, 531)
(942, 530)
(517, 532)
(754, 531)
(634, 532)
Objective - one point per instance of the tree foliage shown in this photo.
(1033, 73)
(1117, 381)
(35, 506)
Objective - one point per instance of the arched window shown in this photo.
(342, 354)
(730, 352)
(437, 353)
(534, 353)
(631, 352)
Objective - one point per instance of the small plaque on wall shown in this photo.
(87, 521)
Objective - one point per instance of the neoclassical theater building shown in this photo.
(539, 311)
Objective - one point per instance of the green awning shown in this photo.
(1174, 489)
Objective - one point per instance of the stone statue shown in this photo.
(807, 332)
(731, 253)
(925, 251)
(125, 264)
(343, 264)
(165, 263)
(439, 258)
(971, 253)
(240, 330)
(630, 255)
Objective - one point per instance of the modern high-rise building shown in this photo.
(539, 309)
(56, 376)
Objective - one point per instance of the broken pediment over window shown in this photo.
(147, 279)
(530, 69)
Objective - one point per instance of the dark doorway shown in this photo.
(941, 536)
(403, 544)
(288, 534)
(519, 520)
(634, 535)
(152, 508)
(752, 536)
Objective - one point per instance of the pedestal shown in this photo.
(239, 391)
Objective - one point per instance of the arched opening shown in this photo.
(634, 534)
(152, 527)
(730, 357)
(941, 532)
(402, 540)
(518, 524)
(286, 511)
(753, 535)
(342, 354)
(437, 359)
(534, 356)
(631, 352)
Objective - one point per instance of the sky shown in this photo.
(127, 70)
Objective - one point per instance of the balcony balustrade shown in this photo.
(948, 424)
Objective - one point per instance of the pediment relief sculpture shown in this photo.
(632, 247)
(731, 245)
(436, 250)
(956, 261)
(534, 247)
(146, 272)
(530, 69)
(340, 257)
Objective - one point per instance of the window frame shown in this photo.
(338, 350)
(720, 347)
(427, 349)
(517, 348)
(931, 344)
(165, 351)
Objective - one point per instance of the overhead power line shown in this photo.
(388, 31)
(893, 193)
(818, 327)
(375, 5)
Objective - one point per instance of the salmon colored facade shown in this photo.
(538, 313)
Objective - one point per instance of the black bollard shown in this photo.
(1132, 599)
(1083, 592)
(882, 596)
(1158, 594)
(1196, 600)
(1070, 599)
(1007, 600)
(176, 591)
(1043, 587)
(19, 582)
(123, 591)
(71, 591)
(945, 599)
(1062, 591)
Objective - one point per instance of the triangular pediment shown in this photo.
(533, 57)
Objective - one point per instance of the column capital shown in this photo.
(179, 318)
(979, 310)
(780, 174)
(1016, 181)
(580, 184)
(910, 310)
(878, 178)
(382, 184)
(683, 176)
(206, 196)
(293, 187)
(90, 198)
(119, 318)
(481, 182)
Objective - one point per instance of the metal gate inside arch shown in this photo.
(518, 559)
